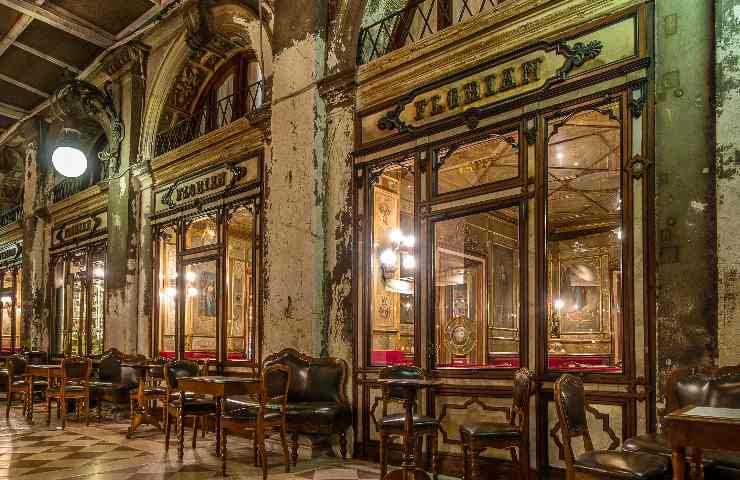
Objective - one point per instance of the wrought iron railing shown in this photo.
(68, 187)
(209, 118)
(10, 216)
(420, 19)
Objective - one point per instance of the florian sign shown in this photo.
(82, 228)
(494, 83)
(204, 187)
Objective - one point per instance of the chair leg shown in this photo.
(63, 402)
(223, 450)
(254, 449)
(195, 429)
(474, 463)
(48, 410)
(284, 441)
(343, 445)
(465, 461)
(167, 429)
(524, 461)
(419, 450)
(99, 409)
(203, 427)
(181, 434)
(294, 441)
(8, 403)
(435, 462)
(260, 433)
(87, 410)
(383, 466)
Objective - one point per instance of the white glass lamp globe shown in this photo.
(69, 161)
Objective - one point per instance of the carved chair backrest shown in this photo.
(76, 370)
(274, 387)
(16, 365)
(180, 369)
(322, 379)
(522, 393)
(37, 357)
(570, 400)
(396, 394)
(711, 387)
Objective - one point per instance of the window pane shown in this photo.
(59, 310)
(476, 290)
(76, 280)
(584, 242)
(97, 305)
(201, 308)
(6, 303)
(485, 161)
(393, 266)
(167, 292)
(201, 233)
(18, 308)
(239, 314)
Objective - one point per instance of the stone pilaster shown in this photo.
(126, 70)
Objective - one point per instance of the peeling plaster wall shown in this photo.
(727, 28)
(685, 186)
(294, 184)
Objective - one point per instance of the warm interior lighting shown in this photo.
(67, 158)
(6, 300)
(559, 304)
(190, 276)
(99, 272)
(388, 257)
(409, 262)
(192, 291)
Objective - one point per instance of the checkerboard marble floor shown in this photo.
(101, 451)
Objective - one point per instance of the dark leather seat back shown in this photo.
(109, 368)
(400, 372)
(724, 391)
(571, 403)
(313, 379)
(76, 368)
(37, 358)
(16, 365)
(691, 390)
(707, 388)
(180, 369)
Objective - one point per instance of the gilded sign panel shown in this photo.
(530, 71)
(80, 229)
(207, 185)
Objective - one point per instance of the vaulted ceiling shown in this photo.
(45, 42)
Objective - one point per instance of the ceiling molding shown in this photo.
(48, 58)
(24, 86)
(11, 111)
(63, 20)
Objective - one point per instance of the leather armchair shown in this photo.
(317, 398)
(570, 400)
(699, 387)
(115, 382)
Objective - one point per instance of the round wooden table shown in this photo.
(140, 414)
(411, 388)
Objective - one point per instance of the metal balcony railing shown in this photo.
(68, 187)
(420, 19)
(209, 118)
(10, 216)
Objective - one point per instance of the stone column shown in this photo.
(126, 69)
(35, 332)
(727, 83)
(295, 172)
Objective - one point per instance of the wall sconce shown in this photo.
(399, 253)
(68, 158)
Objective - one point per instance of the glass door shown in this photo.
(76, 305)
(201, 309)
(6, 319)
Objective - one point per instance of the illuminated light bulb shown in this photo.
(560, 156)
(171, 292)
(559, 304)
(6, 300)
(396, 236)
(161, 276)
(619, 233)
(69, 161)
(99, 272)
(388, 257)
(409, 241)
(192, 291)
(190, 276)
(409, 262)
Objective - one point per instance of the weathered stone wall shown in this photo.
(727, 34)
(685, 186)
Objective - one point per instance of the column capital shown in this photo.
(130, 58)
(338, 90)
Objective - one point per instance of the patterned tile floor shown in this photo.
(101, 451)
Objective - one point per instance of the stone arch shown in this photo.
(214, 31)
(345, 20)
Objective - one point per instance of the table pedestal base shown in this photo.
(404, 474)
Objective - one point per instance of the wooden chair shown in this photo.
(181, 405)
(394, 425)
(20, 382)
(512, 435)
(273, 398)
(570, 400)
(74, 385)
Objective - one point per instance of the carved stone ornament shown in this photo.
(338, 90)
(131, 56)
(638, 166)
(468, 97)
(637, 102)
(79, 100)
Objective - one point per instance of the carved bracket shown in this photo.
(638, 97)
(638, 166)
